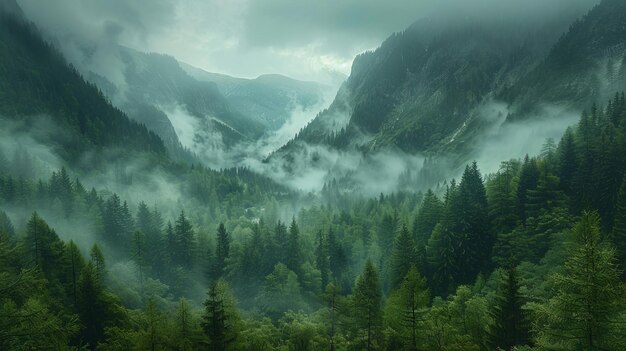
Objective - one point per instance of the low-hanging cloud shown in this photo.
(303, 39)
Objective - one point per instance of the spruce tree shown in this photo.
(294, 250)
(322, 262)
(406, 306)
(367, 307)
(510, 327)
(589, 302)
(74, 263)
(222, 250)
(184, 239)
(220, 318)
(473, 239)
(618, 235)
(403, 257)
(427, 218)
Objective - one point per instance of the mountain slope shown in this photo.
(158, 93)
(271, 98)
(586, 65)
(425, 89)
(36, 80)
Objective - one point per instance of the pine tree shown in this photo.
(585, 312)
(528, 180)
(43, 247)
(99, 265)
(618, 235)
(7, 231)
(183, 233)
(222, 249)
(442, 260)
(331, 295)
(184, 324)
(74, 262)
(96, 308)
(427, 218)
(367, 307)
(406, 306)
(294, 250)
(322, 262)
(472, 236)
(510, 327)
(220, 318)
(501, 193)
(138, 254)
(403, 257)
(568, 163)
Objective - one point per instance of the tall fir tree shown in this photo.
(222, 251)
(403, 257)
(618, 235)
(184, 239)
(510, 327)
(367, 299)
(220, 318)
(585, 313)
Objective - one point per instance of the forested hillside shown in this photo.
(113, 239)
(35, 80)
(432, 88)
(499, 260)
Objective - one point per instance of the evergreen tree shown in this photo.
(74, 262)
(406, 306)
(618, 234)
(585, 312)
(138, 254)
(322, 262)
(510, 328)
(403, 257)
(43, 247)
(568, 161)
(222, 249)
(220, 318)
(470, 227)
(294, 250)
(96, 308)
(184, 241)
(367, 307)
(7, 231)
(99, 265)
(442, 261)
(332, 299)
(502, 196)
(528, 179)
(428, 216)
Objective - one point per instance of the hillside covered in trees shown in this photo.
(112, 239)
(531, 255)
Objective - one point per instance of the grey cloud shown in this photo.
(304, 39)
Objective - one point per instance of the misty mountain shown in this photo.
(586, 65)
(426, 89)
(157, 92)
(270, 97)
(45, 96)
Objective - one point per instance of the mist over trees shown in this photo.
(111, 241)
(512, 258)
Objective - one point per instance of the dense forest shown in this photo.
(114, 235)
(530, 257)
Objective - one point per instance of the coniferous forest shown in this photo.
(112, 239)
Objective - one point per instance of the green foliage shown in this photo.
(220, 319)
(367, 300)
(587, 309)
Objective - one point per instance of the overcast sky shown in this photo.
(301, 39)
(304, 39)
